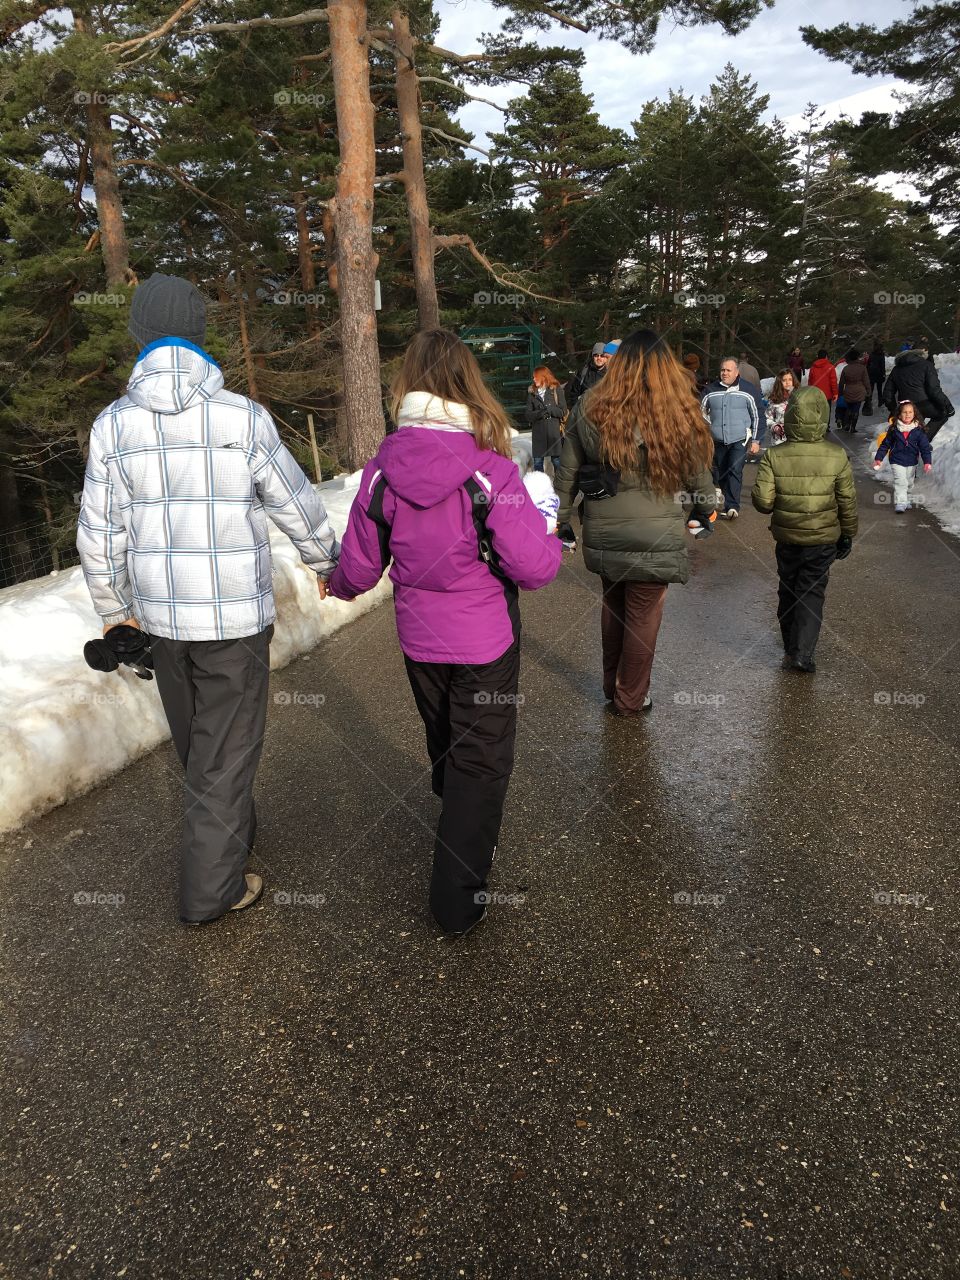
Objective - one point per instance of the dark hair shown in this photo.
(852, 356)
(822, 353)
(778, 395)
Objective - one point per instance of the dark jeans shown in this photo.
(470, 715)
(214, 694)
(804, 574)
(629, 624)
(728, 460)
(554, 458)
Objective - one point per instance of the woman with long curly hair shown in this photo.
(638, 447)
(775, 408)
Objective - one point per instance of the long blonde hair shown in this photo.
(438, 363)
(648, 415)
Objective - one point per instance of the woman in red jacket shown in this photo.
(824, 375)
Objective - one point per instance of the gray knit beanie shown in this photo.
(168, 307)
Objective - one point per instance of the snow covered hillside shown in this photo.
(66, 728)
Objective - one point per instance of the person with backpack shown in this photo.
(633, 448)
(443, 506)
(906, 442)
(181, 478)
(807, 486)
(545, 412)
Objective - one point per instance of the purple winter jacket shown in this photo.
(450, 606)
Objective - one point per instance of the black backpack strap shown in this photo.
(479, 506)
(375, 512)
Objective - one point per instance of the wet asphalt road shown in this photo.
(603, 1081)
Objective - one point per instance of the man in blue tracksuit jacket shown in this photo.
(734, 410)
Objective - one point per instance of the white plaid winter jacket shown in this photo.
(181, 477)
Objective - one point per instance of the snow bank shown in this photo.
(66, 728)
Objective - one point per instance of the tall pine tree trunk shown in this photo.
(356, 261)
(422, 249)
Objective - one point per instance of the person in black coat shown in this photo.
(589, 375)
(914, 378)
(877, 372)
(545, 412)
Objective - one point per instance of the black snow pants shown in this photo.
(470, 715)
(804, 574)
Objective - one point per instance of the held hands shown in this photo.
(323, 589)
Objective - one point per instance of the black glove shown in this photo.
(844, 546)
(128, 645)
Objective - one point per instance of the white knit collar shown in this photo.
(420, 409)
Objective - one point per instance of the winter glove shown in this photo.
(844, 546)
(544, 497)
(927, 468)
(125, 644)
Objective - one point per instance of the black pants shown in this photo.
(214, 694)
(804, 574)
(470, 715)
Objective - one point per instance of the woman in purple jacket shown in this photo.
(443, 500)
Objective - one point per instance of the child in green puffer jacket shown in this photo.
(807, 486)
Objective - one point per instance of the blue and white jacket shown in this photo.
(735, 413)
(906, 448)
(181, 477)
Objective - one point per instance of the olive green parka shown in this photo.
(806, 483)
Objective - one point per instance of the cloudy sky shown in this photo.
(771, 50)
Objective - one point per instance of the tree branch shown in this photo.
(466, 242)
(475, 97)
(157, 33)
(458, 141)
(294, 20)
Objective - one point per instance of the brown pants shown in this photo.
(629, 622)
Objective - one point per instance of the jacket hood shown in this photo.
(910, 357)
(822, 360)
(807, 415)
(424, 466)
(171, 375)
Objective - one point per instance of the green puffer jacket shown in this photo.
(637, 535)
(807, 482)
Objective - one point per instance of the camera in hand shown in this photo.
(127, 645)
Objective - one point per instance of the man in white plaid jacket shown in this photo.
(181, 477)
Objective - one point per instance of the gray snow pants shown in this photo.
(214, 694)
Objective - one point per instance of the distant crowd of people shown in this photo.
(183, 475)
